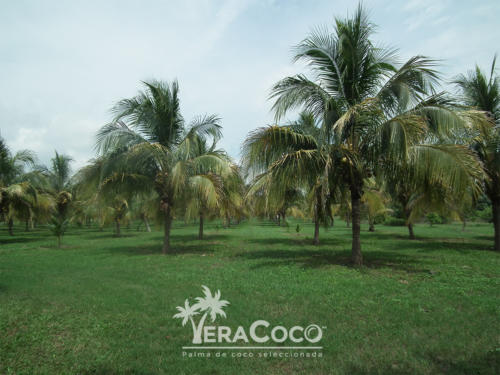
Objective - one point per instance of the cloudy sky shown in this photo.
(64, 63)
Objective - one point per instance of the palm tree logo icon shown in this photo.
(208, 305)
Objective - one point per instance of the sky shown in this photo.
(63, 64)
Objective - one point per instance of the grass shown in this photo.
(104, 305)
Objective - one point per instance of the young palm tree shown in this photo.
(355, 93)
(375, 203)
(17, 196)
(289, 157)
(484, 93)
(206, 173)
(149, 137)
(55, 180)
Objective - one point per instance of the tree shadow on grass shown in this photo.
(293, 240)
(157, 250)
(17, 239)
(324, 258)
(180, 245)
(395, 241)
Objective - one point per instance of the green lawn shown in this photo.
(104, 305)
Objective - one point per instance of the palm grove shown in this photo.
(374, 139)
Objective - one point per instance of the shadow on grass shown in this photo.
(104, 235)
(322, 258)
(180, 245)
(17, 239)
(396, 241)
(488, 363)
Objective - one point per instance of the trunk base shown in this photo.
(356, 256)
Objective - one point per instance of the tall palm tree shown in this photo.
(483, 93)
(149, 136)
(356, 92)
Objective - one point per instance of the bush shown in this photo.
(394, 222)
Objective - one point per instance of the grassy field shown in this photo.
(104, 305)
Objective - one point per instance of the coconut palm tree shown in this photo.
(12, 167)
(288, 157)
(207, 173)
(17, 196)
(16, 202)
(483, 93)
(355, 92)
(149, 137)
(374, 202)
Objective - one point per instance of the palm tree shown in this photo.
(13, 166)
(17, 196)
(375, 203)
(483, 93)
(207, 172)
(356, 94)
(149, 137)
(288, 157)
(17, 201)
(56, 181)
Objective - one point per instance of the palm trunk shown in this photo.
(118, 229)
(200, 231)
(10, 225)
(316, 232)
(356, 256)
(496, 222)
(407, 213)
(146, 224)
(410, 231)
(167, 226)
(316, 217)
